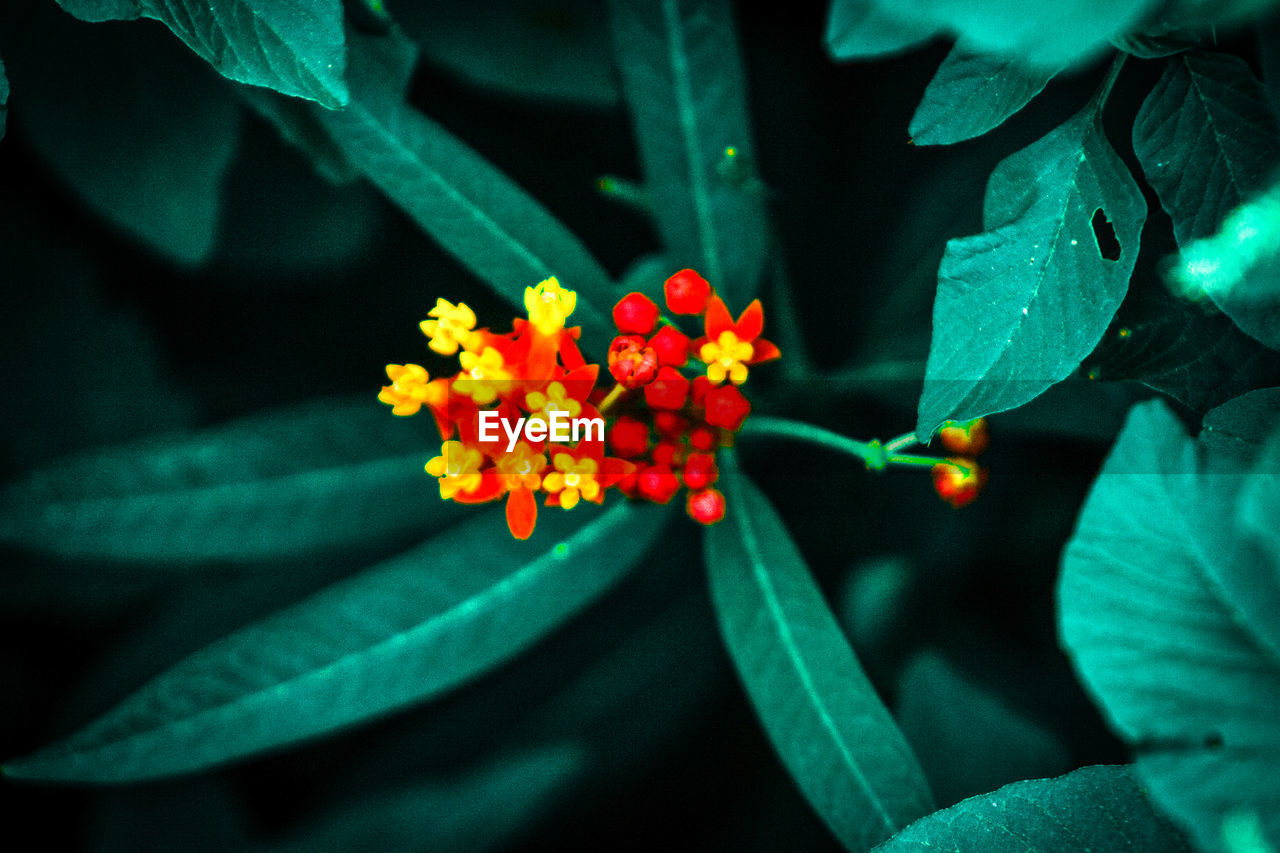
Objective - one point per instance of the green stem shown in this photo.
(893, 445)
(1104, 92)
(870, 452)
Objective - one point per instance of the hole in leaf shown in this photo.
(1105, 235)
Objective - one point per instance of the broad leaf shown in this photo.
(1020, 305)
(1208, 140)
(1241, 426)
(972, 93)
(137, 128)
(398, 633)
(683, 81)
(1259, 505)
(474, 211)
(828, 725)
(298, 126)
(293, 480)
(1169, 615)
(545, 50)
(1100, 808)
(292, 46)
(861, 29)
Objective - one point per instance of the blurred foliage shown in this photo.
(230, 584)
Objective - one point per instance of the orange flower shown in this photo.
(729, 347)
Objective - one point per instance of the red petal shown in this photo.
(764, 351)
(718, 318)
(492, 485)
(569, 352)
(522, 513)
(750, 322)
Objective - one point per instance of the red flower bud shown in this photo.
(628, 437)
(671, 345)
(700, 470)
(703, 437)
(668, 391)
(966, 437)
(636, 314)
(687, 292)
(657, 483)
(669, 424)
(726, 407)
(631, 363)
(668, 453)
(706, 506)
(701, 385)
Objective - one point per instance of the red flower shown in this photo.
(668, 391)
(629, 437)
(965, 437)
(958, 481)
(726, 407)
(632, 364)
(636, 314)
(703, 437)
(669, 424)
(686, 292)
(730, 347)
(700, 470)
(657, 483)
(706, 506)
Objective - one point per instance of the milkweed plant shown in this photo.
(844, 425)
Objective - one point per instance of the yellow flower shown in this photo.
(522, 467)
(549, 305)
(572, 479)
(457, 467)
(727, 356)
(484, 376)
(410, 388)
(543, 406)
(452, 327)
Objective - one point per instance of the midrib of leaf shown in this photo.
(1213, 126)
(298, 478)
(477, 602)
(692, 138)
(474, 211)
(761, 575)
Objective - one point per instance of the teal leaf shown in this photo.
(1241, 426)
(831, 730)
(683, 81)
(1208, 140)
(1099, 808)
(972, 93)
(1260, 499)
(1168, 613)
(401, 632)
(1021, 305)
(555, 51)
(293, 480)
(292, 46)
(861, 29)
(139, 130)
(298, 126)
(474, 211)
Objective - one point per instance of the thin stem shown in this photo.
(907, 459)
(611, 398)
(1104, 92)
(869, 452)
(893, 445)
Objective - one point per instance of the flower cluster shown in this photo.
(959, 479)
(664, 421)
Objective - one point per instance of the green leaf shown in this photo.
(830, 728)
(138, 129)
(1208, 140)
(683, 81)
(861, 29)
(1241, 426)
(1020, 305)
(298, 126)
(546, 50)
(474, 211)
(399, 633)
(971, 94)
(292, 480)
(1260, 499)
(292, 46)
(1169, 615)
(1099, 808)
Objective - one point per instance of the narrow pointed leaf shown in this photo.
(1021, 305)
(1208, 141)
(398, 633)
(1094, 808)
(288, 481)
(474, 211)
(828, 725)
(1169, 615)
(683, 81)
(972, 93)
(293, 46)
